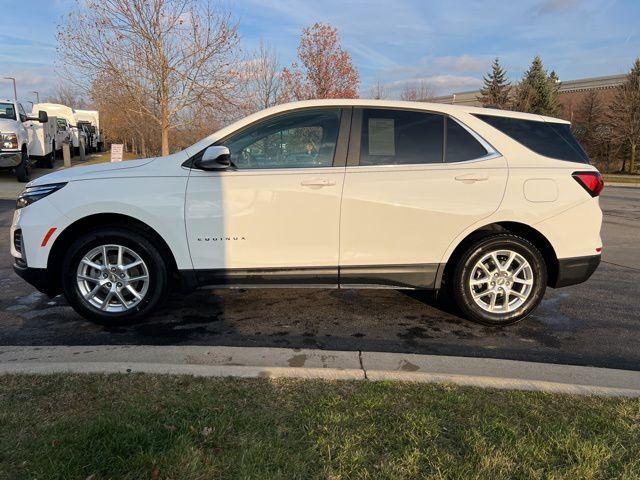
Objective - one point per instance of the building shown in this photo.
(571, 92)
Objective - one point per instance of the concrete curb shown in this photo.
(250, 362)
(621, 184)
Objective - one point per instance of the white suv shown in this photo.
(494, 205)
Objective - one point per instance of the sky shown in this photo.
(448, 43)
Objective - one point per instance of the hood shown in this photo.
(100, 170)
(8, 126)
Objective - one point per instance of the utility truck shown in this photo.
(91, 117)
(42, 144)
(14, 138)
(63, 111)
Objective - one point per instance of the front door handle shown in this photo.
(317, 182)
(472, 177)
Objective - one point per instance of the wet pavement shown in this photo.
(596, 323)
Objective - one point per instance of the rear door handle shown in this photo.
(317, 182)
(472, 177)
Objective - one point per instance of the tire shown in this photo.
(522, 291)
(134, 246)
(23, 171)
(50, 159)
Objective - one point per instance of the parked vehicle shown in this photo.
(93, 117)
(492, 205)
(42, 141)
(63, 111)
(63, 132)
(14, 149)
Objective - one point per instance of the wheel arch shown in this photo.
(523, 230)
(91, 222)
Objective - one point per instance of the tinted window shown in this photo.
(553, 140)
(461, 145)
(396, 137)
(296, 140)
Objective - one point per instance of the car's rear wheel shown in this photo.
(500, 280)
(114, 276)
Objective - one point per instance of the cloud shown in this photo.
(440, 84)
(462, 63)
(549, 7)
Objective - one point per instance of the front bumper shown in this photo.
(10, 159)
(572, 271)
(38, 277)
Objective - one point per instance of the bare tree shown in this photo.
(68, 94)
(263, 72)
(378, 91)
(416, 91)
(169, 56)
(625, 117)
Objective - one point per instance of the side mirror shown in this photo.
(216, 157)
(42, 116)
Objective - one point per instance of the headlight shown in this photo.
(33, 194)
(9, 141)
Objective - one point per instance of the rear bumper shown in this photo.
(572, 271)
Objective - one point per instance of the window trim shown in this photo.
(355, 139)
(339, 154)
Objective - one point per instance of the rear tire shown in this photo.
(503, 292)
(49, 160)
(106, 292)
(23, 171)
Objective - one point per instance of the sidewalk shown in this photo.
(332, 365)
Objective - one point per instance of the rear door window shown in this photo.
(550, 139)
(400, 137)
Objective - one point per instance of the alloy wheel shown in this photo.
(112, 278)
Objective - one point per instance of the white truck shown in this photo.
(42, 144)
(78, 136)
(91, 117)
(14, 138)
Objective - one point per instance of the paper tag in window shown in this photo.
(382, 136)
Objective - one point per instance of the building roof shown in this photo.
(579, 85)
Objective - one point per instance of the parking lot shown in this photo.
(596, 323)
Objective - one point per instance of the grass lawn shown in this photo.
(169, 427)
(621, 178)
(105, 157)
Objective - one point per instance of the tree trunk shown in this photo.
(632, 159)
(143, 145)
(165, 140)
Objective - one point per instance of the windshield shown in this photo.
(7, 110)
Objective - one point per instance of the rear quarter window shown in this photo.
(550, 139)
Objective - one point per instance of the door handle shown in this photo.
(317, 182)
(472, 177)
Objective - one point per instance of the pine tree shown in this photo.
(495, 92)
(538, 91)
(625, 116)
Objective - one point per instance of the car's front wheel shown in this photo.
(114, 276)
(500, 280)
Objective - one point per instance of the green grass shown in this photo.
(621, 178)
(105, 157)
(168, 427)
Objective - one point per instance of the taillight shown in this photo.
(592, 182)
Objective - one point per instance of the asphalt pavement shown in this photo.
(593, 324)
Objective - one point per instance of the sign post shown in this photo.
(116, 152)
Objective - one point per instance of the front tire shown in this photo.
(114, 276)
(500, 280)
(23, 171)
